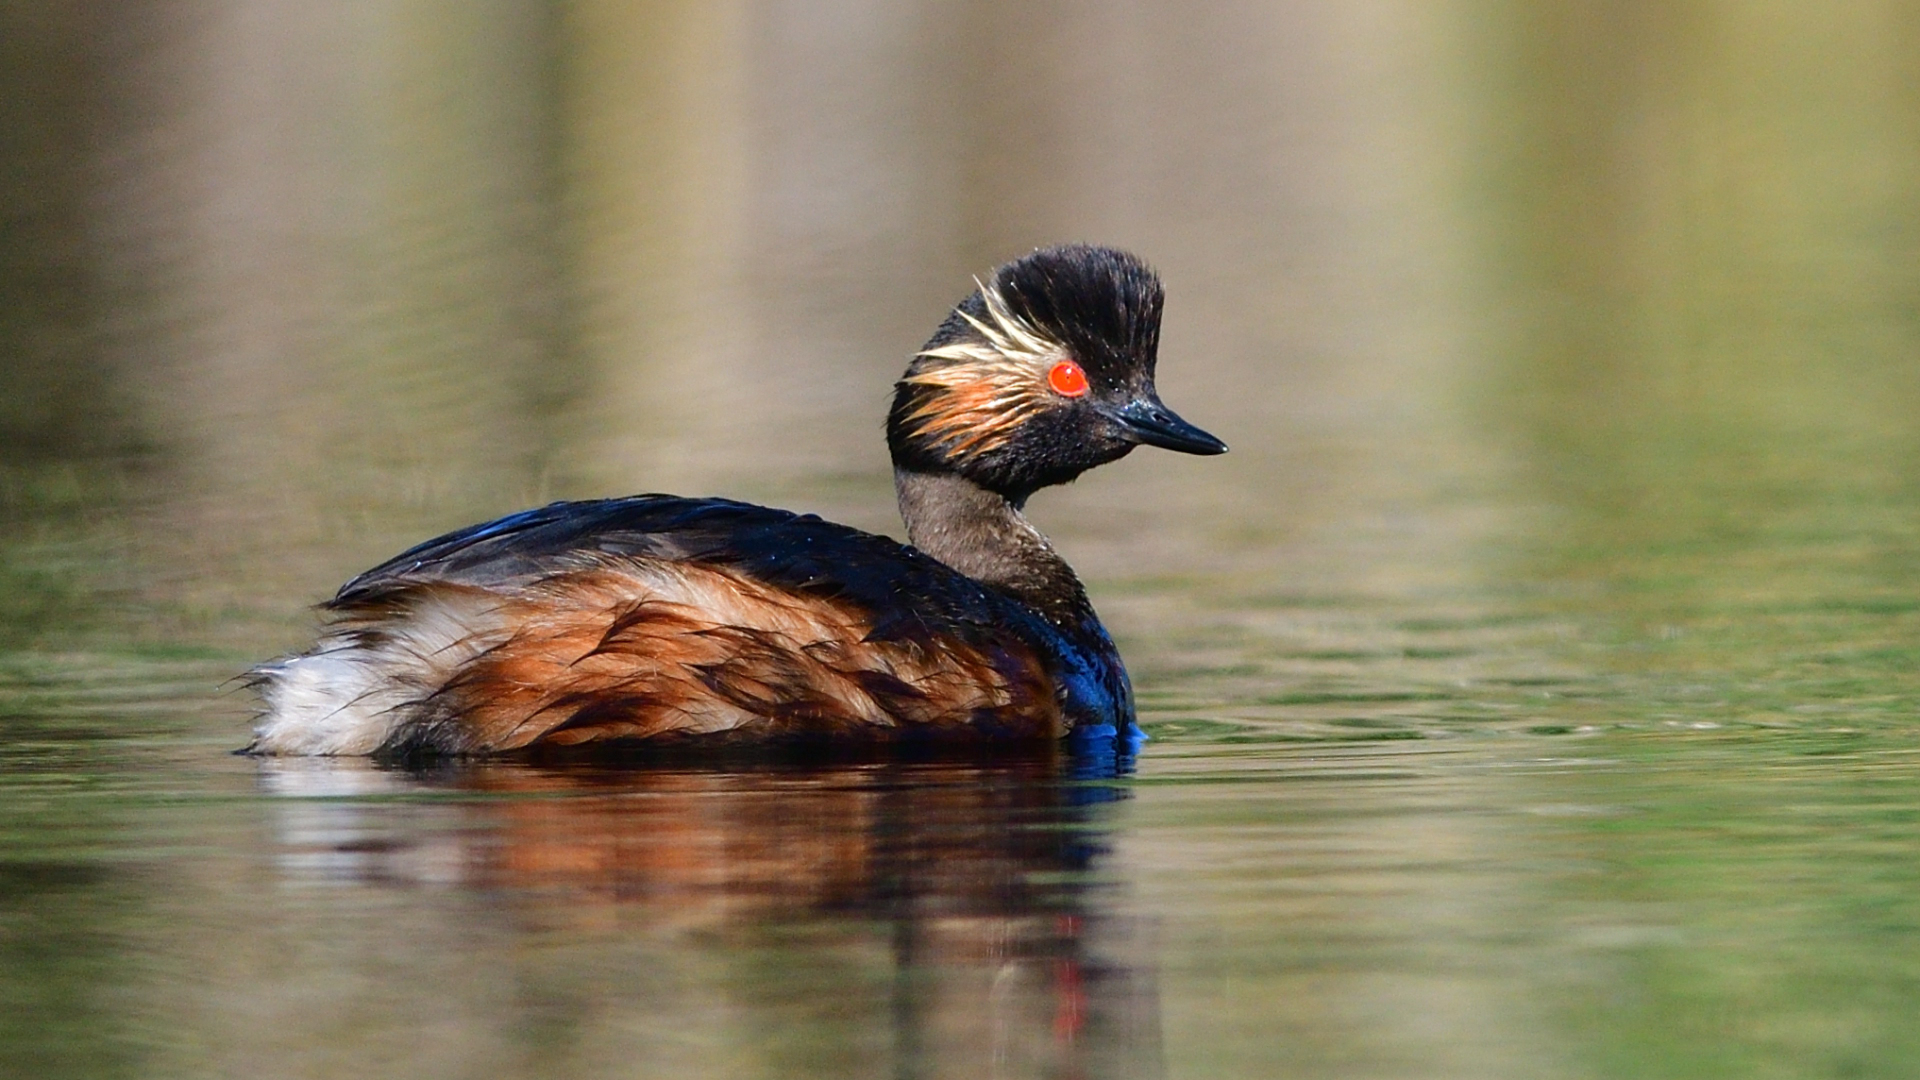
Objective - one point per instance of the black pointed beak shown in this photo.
(1152, 423)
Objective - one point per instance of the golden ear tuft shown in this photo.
(993, 385)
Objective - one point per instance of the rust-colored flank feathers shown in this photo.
(634, 649)
(650, 649)
(657, 618)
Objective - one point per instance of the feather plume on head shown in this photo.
(989, 385)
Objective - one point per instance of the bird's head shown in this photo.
(1044, 372)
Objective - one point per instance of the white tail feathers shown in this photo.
(351, 693)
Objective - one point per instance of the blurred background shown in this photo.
(1570, 358)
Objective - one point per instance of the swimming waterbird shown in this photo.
(660, 619)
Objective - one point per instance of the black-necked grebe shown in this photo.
(658, 617)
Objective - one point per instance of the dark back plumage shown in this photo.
(904, 592)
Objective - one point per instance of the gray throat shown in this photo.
(985, 537)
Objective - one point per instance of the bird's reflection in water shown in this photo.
(971, 891)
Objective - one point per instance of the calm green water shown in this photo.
(1533, 690)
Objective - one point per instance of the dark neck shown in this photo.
(982, 535)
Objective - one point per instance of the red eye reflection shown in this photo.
(1067, 379)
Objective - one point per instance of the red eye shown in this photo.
(1067, 379)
